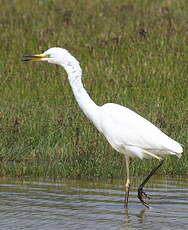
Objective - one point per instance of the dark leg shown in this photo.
(141, 193)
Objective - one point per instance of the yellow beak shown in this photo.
(36, 57)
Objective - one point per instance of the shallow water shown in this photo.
(88, 204)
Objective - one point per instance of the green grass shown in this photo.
(132, 52)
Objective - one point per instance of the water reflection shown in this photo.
(81, 204)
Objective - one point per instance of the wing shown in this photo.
(121, 126)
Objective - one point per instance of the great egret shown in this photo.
(126, 131)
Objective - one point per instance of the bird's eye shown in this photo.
(47, 55)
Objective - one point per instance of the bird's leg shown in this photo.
(127, 185)
(141, 193)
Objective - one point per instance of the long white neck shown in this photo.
(88, 106)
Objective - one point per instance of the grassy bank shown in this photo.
(132, 52)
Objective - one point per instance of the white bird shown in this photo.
(125, 130)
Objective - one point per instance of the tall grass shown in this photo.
(133, 52)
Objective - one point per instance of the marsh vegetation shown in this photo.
(132, 52)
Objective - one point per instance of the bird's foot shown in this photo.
(145, 195)
(142, 195)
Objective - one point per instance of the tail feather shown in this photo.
(176, 149)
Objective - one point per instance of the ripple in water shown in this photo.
(81, 204)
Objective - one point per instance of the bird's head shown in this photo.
(55, 55)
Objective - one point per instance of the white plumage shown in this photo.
(126, 131)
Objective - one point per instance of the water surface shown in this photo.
(89, 204)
